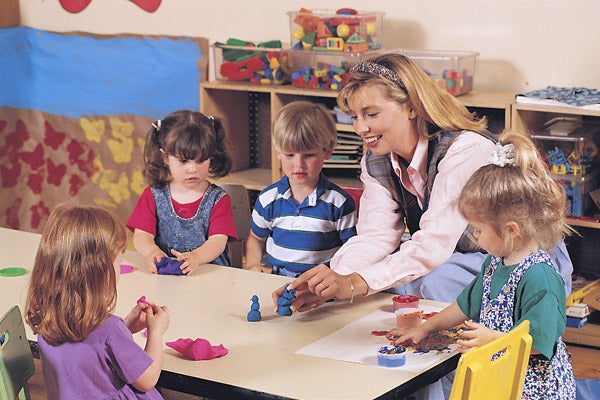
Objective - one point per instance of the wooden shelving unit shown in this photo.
(249, 110)
(531, 118)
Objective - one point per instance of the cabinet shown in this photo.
(249, 110)
(583, 247)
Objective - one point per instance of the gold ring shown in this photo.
(324, 286)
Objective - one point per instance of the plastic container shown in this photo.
(405, 301)
(344, 30)
(452, 70)
(323, 69)
(391, 356)
(569, 147)
(577, 190)
(264, 63)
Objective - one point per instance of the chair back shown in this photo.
(494, 371)
(16, 361)
(240, 203)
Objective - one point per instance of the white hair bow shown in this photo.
(503, 155)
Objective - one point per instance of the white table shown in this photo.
(262, 363)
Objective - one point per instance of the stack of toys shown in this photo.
(325, 44)
(262, 63)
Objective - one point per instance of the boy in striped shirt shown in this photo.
(301, 220)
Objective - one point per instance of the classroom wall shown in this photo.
(523, 44)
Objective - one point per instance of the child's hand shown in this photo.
(189, 261)
(405, 335)
(157, 319)
(257, 268)
(136, 319)
(153, 259)
(477, 336)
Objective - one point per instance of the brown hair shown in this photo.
(187, 135)
(433, 105)
(304, 126)
(73, 285)
(522, 191)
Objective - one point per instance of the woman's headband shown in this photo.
(378, 69)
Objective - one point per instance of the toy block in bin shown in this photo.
(569, 146)
(323, 69)
(453, 71)
(344, 30)
(240, 60)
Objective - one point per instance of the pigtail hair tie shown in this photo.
(156, 125)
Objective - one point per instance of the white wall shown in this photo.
(523, 44)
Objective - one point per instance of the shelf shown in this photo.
(248, 111)
(583, 222)
(589, 335)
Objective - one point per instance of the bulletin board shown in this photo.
(74, 112)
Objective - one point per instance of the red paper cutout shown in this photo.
(34, 158)
(55, 172)
(76, 6)
(35, 181)
(38, 213)
(52, 138)
(12, 214)
(75, 183)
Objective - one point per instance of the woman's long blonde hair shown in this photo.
(73, 286)
(522, 191)
(433, 105)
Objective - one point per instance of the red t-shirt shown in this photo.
(144, 216)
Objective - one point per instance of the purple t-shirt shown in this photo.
(103, 366)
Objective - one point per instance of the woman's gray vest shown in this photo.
(380, 168)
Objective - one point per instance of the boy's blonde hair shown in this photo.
(522, 191)
(304, 126)
(73, 285)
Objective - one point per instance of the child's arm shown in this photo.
(255, 248)
(157, 320)
(447, 318)
(145, 245)
(211, 249)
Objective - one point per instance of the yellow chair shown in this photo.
(16, 361)
(479, 377)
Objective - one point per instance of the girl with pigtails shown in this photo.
(181, 215)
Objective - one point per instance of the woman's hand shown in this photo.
(477, 336)
(318, 285)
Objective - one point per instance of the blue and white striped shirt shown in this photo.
(301, 236)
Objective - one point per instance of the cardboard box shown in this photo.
(573, 322)
(580, 288)
(452, 70)
(344, 30)
(264, 63)
(578, 310)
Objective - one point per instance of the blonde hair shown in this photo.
(73, 285)
(433, 105)
(522, 191)
(304, 126)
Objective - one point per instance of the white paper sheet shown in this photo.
(356, 343)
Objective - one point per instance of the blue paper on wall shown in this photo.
(75, 75)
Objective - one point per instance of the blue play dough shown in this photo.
(169, 266)
(254, 314)
(285, 301)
